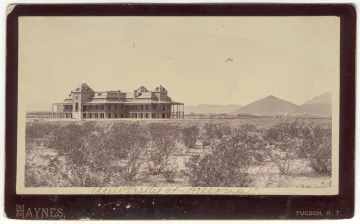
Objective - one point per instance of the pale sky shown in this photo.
(293, 58)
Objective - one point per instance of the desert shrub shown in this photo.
(282, 134)
(127, 144)
(169, 175)
(124, 138)
(37, 131)
(85, 153)
(131, 169)
(317, 145)
(163, 139)
(89, 125)
(245, 128)
(159, 130)
(252, 138)
(306, 141)
(67, 138)
(32, 177)
(89, 165)
(226, 166)
(190, 135)
(321, 166)
(260, 155)
(288, 137)
(95, 156)
(216, 131)
(284, 164)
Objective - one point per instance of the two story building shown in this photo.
(84, 103)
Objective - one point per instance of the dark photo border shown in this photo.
(137, 207)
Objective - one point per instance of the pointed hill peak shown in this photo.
(269, 105)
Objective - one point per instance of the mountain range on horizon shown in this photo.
(211, 108)
(318, 105)
(323, 98)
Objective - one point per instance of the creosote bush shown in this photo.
(39, 132)
(305, 141)
(163, 142)
(216, 131)
(128, 143)
(169, 175)
(190, 135)
(252, 138)
(318, 144)
(226, 166)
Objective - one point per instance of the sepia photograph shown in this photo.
(178, 105)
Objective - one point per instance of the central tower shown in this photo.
(81, 94)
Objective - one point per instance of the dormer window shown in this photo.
(77, 89)
(99, 94)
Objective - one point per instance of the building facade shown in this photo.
(84, 103)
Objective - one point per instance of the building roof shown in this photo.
(83, 87)
(106, 94)
(139, 96)
(102, 101)
(152, 101)
(160, 88)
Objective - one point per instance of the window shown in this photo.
(153, 115)
(96, 115)
(101, 115)
(84, 107)
(116, 106)
(147, 115)
(115, 115)
(109, 115)
(102, 107)
(76, 107)
(90, 115)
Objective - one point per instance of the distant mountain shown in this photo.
(211, 108)
(315, 108)
(320, 105)
(323, 99)
(268, 105)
